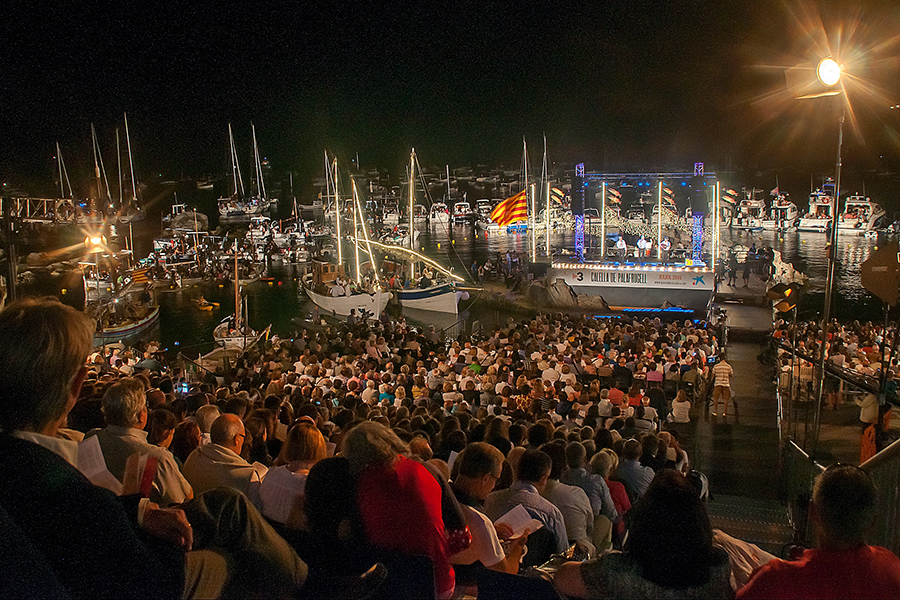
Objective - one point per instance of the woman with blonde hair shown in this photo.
(282, 489)
(399, 499)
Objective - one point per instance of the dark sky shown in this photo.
(624, 84)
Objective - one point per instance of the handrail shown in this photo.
(886, 454)
(884, 469)
(848, 375)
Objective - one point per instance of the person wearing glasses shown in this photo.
(219, 463)
(478, 468)
(842, 565)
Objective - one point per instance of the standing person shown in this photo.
(841, 564)
(621, 249)
(722, 374)
(746, 274)
(732, 268)
(665, 247)
(641, 249)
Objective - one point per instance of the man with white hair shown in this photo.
(205, 416)
(219, 463)
(125, 409)
(96, 544)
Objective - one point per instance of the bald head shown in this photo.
(228, 431)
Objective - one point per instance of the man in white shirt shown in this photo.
(621, 249)
(125, 409)
(219, 463)
(479, 467)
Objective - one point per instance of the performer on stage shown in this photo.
(665, 246)
(621, 249)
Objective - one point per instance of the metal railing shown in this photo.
(884, 468)
(798, 473)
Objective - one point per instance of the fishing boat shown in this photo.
(860, 215)
(120, 313)
(320, 288)
(234, 331)
(323, 283)
(783, 215)
(819, 215)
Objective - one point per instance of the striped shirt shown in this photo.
(722, 373)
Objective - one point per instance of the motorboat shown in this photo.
(750, 211)
(462, 213)
(818, 217)
(860, 215)
(782, 215)
(439, 213)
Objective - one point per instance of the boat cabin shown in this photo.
(326, 272)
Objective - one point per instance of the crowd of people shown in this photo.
(372, 444)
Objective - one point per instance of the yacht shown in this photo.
(783, 215)
(439, 213)
(860, 215)
(818, 216)
(750, 212)
(462, 213)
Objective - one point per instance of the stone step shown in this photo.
(756, 520)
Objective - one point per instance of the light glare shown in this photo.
(828, 71)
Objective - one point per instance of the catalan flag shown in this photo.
(141, 275)
(511, 210)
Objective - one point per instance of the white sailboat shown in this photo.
(324, 288)
(432, 296)
(237, 205)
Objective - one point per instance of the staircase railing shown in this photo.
(884, 468)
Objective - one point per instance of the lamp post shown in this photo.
(829, 73)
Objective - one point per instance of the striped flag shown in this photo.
(511, 210)
(557, 195)
(141, 275)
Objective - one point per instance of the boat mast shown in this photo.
(545, 190)
(119, 165)
(237, 290)
(449, 205)
(412, 201)
(355, 231)
(529, 200)
(62, 189)
(337, 210)
(134, 189)
(96, 165)
(365, 233)
(260, 184)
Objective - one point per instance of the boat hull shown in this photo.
(114, 334)
(437, 298)
(341, 305)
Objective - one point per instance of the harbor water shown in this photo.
(279, 301)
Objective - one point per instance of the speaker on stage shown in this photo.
(700, 195)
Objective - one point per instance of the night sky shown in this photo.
(620, 85)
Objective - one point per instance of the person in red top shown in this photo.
(604, 463)
(399, 499)
(843, 565)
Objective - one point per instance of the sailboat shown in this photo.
(234, 331)
(128, 211)
(432, 296)
(238, 205)
(324, 288)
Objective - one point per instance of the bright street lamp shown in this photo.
(828, 71)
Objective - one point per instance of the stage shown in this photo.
(637, 285)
